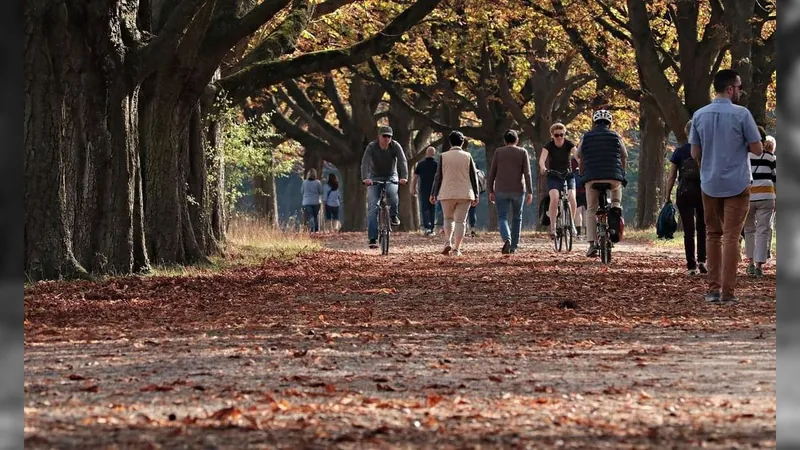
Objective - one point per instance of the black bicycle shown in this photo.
(603, 240)
(564, 216)
(384, 219)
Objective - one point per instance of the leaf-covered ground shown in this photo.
(347, 349)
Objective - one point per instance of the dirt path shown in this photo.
(347, 349)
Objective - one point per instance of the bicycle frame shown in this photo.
(563, 217)
(384, 222)
(603, 240)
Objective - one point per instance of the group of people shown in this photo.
(601, 157)
(315, 195)
(725, 173)
(726, 188)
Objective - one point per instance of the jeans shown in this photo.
(312, 217)
(725, 218)
(690, 207)
(427, 211)
(758, 229)
(509, 203)
(439, 214)
(472, 216)
(373, 197)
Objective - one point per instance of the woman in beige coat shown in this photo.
(456, 186)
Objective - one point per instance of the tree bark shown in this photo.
(80, 165)
(652, 155)
(354, 197)
(266, 201)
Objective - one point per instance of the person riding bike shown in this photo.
(602, 158)
(383, 160)
(556, 156)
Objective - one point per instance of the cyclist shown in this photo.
(560, 151)
(602, 158)
(383, 160)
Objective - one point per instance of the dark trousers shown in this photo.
(472, 216)
(427, 211)
(690, 207)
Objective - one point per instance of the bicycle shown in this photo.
(384, 219)
(603, 240)
(564, 215)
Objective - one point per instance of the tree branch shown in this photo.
(306, 109)
(328, 7)
(227, 29)
(264, 74)
(332, 92)
(161, 48)
(290, 129)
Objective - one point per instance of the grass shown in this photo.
(250, 241)
(651, 236)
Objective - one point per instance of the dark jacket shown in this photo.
(601, 150)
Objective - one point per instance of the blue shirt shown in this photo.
(723, 131)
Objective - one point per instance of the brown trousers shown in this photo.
(725, 218)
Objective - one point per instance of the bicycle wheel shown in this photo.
(567, 226)
(558, 239)
(605, 249)
(383, 236)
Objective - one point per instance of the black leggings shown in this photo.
(691, 210)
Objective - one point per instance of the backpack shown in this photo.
(689, 181)
(481, 181)
(667, 224)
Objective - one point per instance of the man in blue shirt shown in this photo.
(721, 136)
(425, 173)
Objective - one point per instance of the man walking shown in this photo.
(722, 135)
(425, 173)
(509, 184)
(383, 159)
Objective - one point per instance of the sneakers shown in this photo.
(506, 247)
(456, 252)
(713, 297)
(429, 233)
(692, 272)
(395, 221)
(447, 249)
(759, 272)
(574, 231)
(730, 300)
(592, 252)
(702, 267)
(751, 269)
(373, 243)
(473, 233)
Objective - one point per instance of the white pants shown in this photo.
(758, 229)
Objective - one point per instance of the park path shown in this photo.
(343, 348)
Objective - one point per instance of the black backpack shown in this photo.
(667, 224)
(689, 179)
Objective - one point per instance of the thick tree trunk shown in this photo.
(738, 14)
(354, 197)
(651, 165)
(215, 163)
(80, 138)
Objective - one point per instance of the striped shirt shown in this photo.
(764, 176)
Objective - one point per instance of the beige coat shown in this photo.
(456, 178)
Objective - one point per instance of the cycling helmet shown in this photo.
(601, 114)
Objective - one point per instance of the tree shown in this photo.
(112, 91)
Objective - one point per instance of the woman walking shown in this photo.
(689, 200)
(456, 186)
(332, 202)
(760, 218)
(312, 198)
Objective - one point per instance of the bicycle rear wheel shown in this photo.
(605, 249)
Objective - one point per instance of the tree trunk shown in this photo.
(739, 14)
(215, 163)
(354, 197)
(81, 171)
(651, 165)
(266, 200)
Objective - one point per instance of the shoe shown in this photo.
(702, 267)
(692, 272)
(751, 269)
(574, 231)
(730, 300)
(759, 272)
(592, 252)
(395, 221)
(373, 243)
(713, 297)
(473, 234)
(512, 251)
(506, 247)
(447, 249)
(456, 252)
